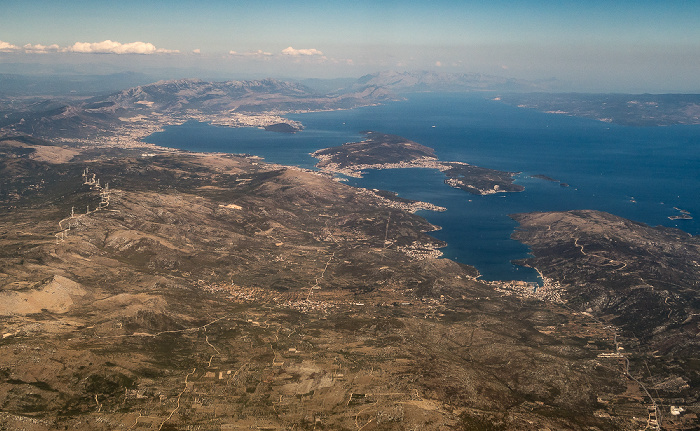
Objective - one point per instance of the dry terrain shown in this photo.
(215, 292)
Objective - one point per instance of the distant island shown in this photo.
(385, 151)
(550, 179)
(282, 128)
(683, 215)
(625, 109)
(377, 149)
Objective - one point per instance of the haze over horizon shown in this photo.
(596, 46)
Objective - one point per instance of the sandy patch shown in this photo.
(45, 153)
(57, 296)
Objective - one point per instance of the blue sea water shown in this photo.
(640, 173)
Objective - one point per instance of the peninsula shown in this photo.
(642, 279)
(385, 151)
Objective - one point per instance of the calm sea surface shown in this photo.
(640, 173)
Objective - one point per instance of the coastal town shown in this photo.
(130, 131)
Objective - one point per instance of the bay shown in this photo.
(640, 173)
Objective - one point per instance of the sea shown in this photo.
(646, 174)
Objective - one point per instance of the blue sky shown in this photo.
(588, 45)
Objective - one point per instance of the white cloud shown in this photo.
(258, 53)
(196, 51)
(347, 61)
(41, 49)
(111, 47)
(301, 52)
(7, 47)
(438, 64)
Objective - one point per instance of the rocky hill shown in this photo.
(384, 151)
(175, 96)
(642, 279)
(647, 278)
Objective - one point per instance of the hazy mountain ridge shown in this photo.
(403, 82)
(191, 93)
(75, 85)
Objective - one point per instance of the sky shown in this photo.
(626, 46)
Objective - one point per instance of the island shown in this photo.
(683, 215)
(385, 151)
(282, 128)
(550, 179)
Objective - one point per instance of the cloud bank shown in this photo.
(111, 47)
(7, 47)
(104, 47)
(40, 49)
(258, 53)
(146, 48)
(301, 52)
